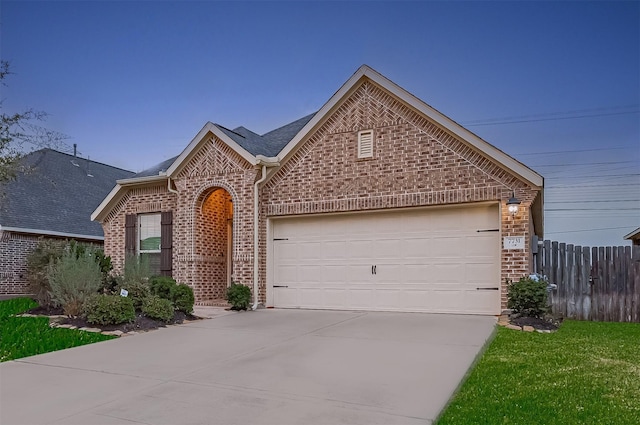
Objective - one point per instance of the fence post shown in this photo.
(586, 283)
(564, 282)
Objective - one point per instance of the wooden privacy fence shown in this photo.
(599, 283)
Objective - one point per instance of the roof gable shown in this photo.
(447, 124)
(57, 194)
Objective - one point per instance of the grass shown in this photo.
(586, 373)
(28, 336)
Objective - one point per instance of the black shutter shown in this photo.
(130, 234)
(166, 243)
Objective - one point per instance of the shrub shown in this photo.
(109, 310)
(158, 308)
(162, 286)
(136, 268)
(239, 296)
(138, 292)
(47, 251)
(183, 298)
(73, 280)
(528, 296)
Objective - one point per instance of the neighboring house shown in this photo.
(375, 202)
(634, 237)
(52, 197)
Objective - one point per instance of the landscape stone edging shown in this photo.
(504, 322)
(118, 333)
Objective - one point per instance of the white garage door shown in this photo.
(432, 260)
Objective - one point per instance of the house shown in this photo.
(634, 237)
(376, 202)
(52, 197)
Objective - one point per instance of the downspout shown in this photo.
(256, 229)
(264, 162)
(172, 190)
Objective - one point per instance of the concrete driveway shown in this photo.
(262, 367)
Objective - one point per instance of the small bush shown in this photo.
(138, 292)
(162, 286)
(158, 308)
(239, 296)
(73, 279)
(46, 252)
(109, 310)
(183, 298)
(528, 296)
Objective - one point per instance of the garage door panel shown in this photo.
(477, 246)
(338, 249)
(387, 248)
(425, 260)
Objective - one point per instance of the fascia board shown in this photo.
(632, 234)
(139, 180)
(188, 152)
(97, 213)
(456, 129)
(51, 233)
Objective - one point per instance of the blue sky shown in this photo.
(554, 84)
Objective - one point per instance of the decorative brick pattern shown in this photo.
(414, 163)
(215, 176)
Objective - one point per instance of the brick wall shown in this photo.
(199, 218)
(415, 163)
(14, 249)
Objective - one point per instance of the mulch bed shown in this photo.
(537, 324)
(140, 324)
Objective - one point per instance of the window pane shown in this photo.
(149, 232)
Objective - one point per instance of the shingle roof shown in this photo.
(269, 144)
(57, 193)
(156, 169)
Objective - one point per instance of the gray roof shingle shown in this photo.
(57, 193)
(269, 144)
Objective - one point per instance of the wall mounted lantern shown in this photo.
(513, 204)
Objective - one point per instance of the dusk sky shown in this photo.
(554, 84)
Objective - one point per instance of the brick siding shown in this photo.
(415, 163)
(14, 251)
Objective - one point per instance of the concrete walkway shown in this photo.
(261, 367)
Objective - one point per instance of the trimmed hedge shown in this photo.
(109, 310)
(158, 308)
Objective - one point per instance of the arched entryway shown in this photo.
(213, 244)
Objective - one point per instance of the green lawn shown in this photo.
(27, 336)
(586, 373)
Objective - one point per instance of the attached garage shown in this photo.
(437, 259)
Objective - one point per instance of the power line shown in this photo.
(595, 177)
(591, 209)
(554, 114)
(576, 151)
(550, 119)
(583, 163)
(587, 230)
(589, 201)
(590, 185)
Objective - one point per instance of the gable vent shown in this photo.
(365, 144)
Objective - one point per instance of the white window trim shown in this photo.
(365, 150)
